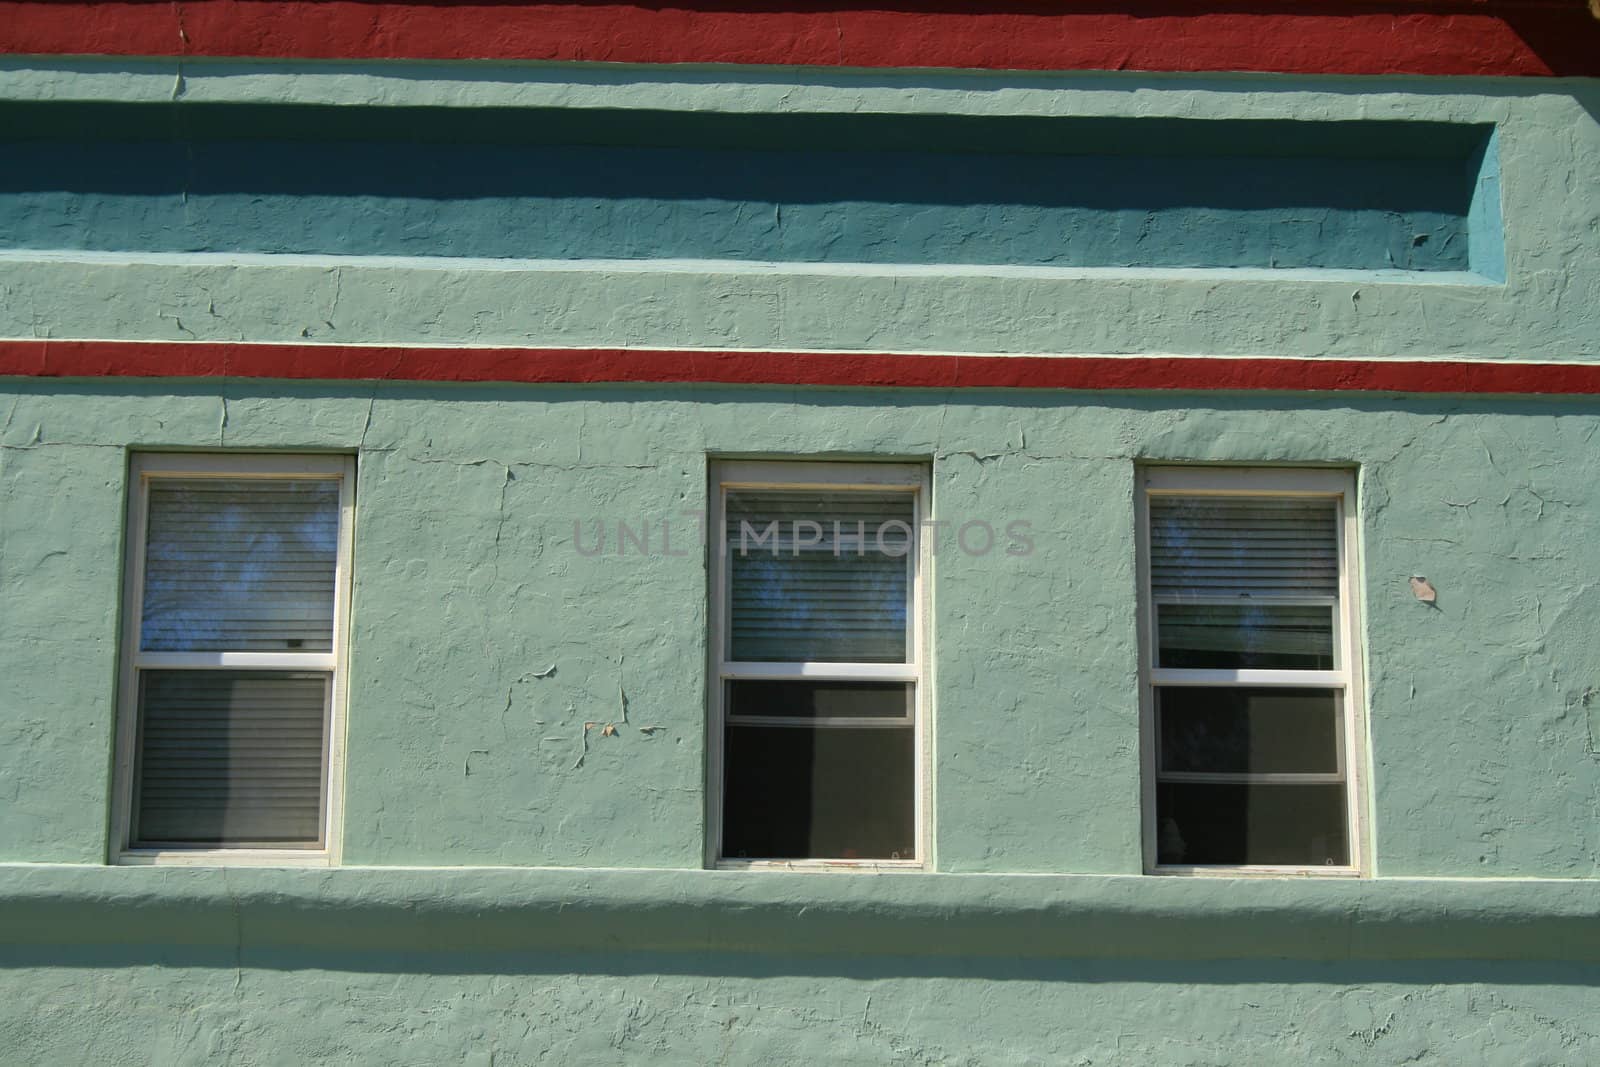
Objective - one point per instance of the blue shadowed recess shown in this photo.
(882, 189)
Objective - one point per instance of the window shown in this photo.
(237, 592)
(1252, 705)
(817, 722)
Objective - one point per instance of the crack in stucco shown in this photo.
(519, 463)
(505, 728)
(33, 319)
(366, 425)
(1412, 439)
(178, 322)
(1586, 701)
(238, 930)
(11, 415)
(500, 527)
(1021, 451)
(338, 289)
(1377, 1033)
(622, 693)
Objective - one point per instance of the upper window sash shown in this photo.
(1197, 483)
(821, 478)
(151, 469)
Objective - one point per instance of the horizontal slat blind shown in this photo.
(1253, 634)
(1225, 547)
(843, 599)
(240, 565)
(230, 758)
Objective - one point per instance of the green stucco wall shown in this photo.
(468, 585)
(599, 967)
(516, 890)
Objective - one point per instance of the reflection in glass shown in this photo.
(819, 576)
(240, 565)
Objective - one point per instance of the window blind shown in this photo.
(835, 591)
(1224, 547)
(230, 757)
(1269, 557)
(240, 565)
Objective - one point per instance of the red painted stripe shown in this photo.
(1470, 37)
(100, 359)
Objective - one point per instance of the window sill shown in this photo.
(856, 866)
(1259, 870)
(226, 857)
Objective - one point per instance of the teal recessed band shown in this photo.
(878, 189)
(1485, 223)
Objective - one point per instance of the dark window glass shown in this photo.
(1257, 823)
(819, 792)
(1260, 731)
(820, 700)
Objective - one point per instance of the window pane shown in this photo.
(1261, 731)
(230, 758)
(1259, 634)
(819, 576)
(814, 700)
(1228, 546)
(1202, 823)
(240, 565)
(802, 793)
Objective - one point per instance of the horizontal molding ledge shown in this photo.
(153, 359)
(1432, 37)
(495, 911)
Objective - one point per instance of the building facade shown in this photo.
(583, 533)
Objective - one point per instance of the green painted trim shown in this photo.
(1486, 251)
(794, 308)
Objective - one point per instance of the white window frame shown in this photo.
(1337, 485)
(144, 468)
(820, 476)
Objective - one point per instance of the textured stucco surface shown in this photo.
(1034, 940)
(514, 967)
(1548, 141)
(558, 1010)
(468, 585)
(519, 183)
